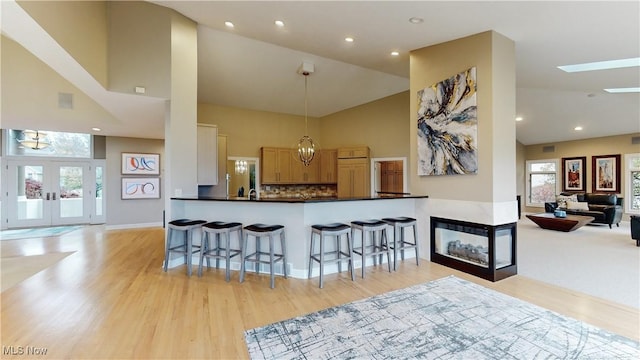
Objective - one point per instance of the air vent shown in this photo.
(635, 140)
(65, 101)
(549, 148)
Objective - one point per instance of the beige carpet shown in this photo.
(18, 268)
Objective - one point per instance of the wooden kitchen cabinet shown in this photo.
(353, 177)
(353, 152)
(328, 166)
(276, 165)
(301, 174)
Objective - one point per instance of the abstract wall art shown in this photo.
(140, 164)
(140, 188)
(448, 126)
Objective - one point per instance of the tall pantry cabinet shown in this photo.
(354, 179)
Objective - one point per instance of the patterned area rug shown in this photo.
(36, 232)
(449, 318)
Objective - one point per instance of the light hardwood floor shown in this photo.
(111, 299)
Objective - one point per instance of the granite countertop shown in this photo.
(302, 199)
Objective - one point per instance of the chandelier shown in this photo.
(306, 147)
(241, 166)
(34, 139)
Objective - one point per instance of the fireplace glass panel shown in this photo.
(463, 243)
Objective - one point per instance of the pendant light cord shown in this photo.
(306, 128)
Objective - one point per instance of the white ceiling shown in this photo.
(254, 65)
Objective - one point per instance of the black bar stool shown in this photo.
(378, 248)
(258, 231)
(399, 243)
(337, 230)
(216, 229)
(187, 248)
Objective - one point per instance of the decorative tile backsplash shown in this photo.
(298, 191)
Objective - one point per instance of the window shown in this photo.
(48, 144)
(542, 181)
(632, 181)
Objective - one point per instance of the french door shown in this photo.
(48, 192)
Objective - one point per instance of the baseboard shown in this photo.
(132, 226)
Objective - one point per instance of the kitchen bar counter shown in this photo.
(300, 199)
(297, 215)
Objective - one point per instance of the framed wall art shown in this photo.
(140, 164)
(448, 126)
(574, 174)
(140, 188)
(605, 173)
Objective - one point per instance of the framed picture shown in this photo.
(606, 173)
(574, 174)
(140, 164)
(140, 188)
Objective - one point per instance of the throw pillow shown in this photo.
(562, 200)
(577, 205)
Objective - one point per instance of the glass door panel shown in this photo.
(30, 202)
(27, 190)
(71, 198)
(71, 186)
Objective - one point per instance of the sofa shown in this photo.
(605, 208)
(635, 229)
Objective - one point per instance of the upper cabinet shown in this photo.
(281, 166)
(328, 166)
(305, 174)
(353, 152)
(276, 165)
(207, 154)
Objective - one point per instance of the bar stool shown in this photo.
(258, 231)
(185, 226)
(337, 230)
(216, 229)
(378, 248)
(399, 225)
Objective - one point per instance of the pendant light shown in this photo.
(34, 139)
(306, 146)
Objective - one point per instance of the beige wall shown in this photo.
(78, 26)
(140, 51)
(249, 130)
(381, 124)
(30, 91)
(493, 56)
(609, 145)
(121, 212)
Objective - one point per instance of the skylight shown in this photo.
(623, 90)
(601, 65)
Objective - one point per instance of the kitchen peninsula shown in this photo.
(298, 214)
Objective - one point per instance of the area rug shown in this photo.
(449, 318)
(19, 268)
(36, 232)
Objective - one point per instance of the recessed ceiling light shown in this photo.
(601, 65)
(416, 20)
(228, 24)
(519, 118)
(395, 53)
(96, 129)
(348, 39)
(623, 90)
(279, 23)
(577, 128)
